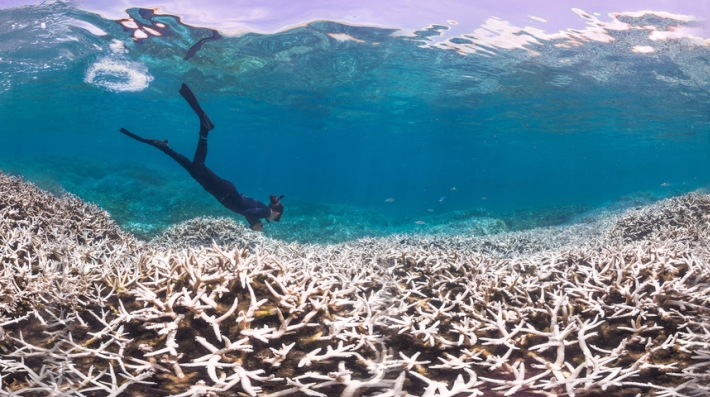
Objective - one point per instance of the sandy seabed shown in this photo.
(615, 304)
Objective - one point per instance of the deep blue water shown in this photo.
(341, 126)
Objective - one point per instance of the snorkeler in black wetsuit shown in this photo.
(221, 189)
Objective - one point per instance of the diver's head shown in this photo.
(277, 209)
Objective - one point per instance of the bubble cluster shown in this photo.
(118, 75)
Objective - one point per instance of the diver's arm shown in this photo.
(254, 223)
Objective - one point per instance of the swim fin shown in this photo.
(152, 142)
(205, 123)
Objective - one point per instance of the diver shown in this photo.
(223, 190)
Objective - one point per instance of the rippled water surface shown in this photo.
(370, 128)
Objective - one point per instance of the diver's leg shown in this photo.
(163, 147)
(215, 185)
(201, 152)
(205, 123)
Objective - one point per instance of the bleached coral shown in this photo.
(395, 316)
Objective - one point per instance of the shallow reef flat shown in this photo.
(141, 200)
(616, 303)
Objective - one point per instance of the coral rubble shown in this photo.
(618, 304)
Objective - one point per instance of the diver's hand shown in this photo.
(257, 227)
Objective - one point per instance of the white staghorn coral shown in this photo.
(88, 310)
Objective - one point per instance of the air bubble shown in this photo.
(118, 75)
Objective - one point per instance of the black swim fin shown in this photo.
(205, 123)
(134, 136)
(191, 52)
(152, 142)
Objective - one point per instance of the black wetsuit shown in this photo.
(223, 190)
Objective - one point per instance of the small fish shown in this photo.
(430, 210)
(483, 197)
(389, 200)
(442, 198)
(420, 223)
(453, 189)
(665, 184)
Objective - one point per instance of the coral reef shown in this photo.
(686, 219)
(141, 200)
(616, 303)
(48, 246)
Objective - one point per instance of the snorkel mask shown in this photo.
(276, 206)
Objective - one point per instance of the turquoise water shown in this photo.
(341, 126)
